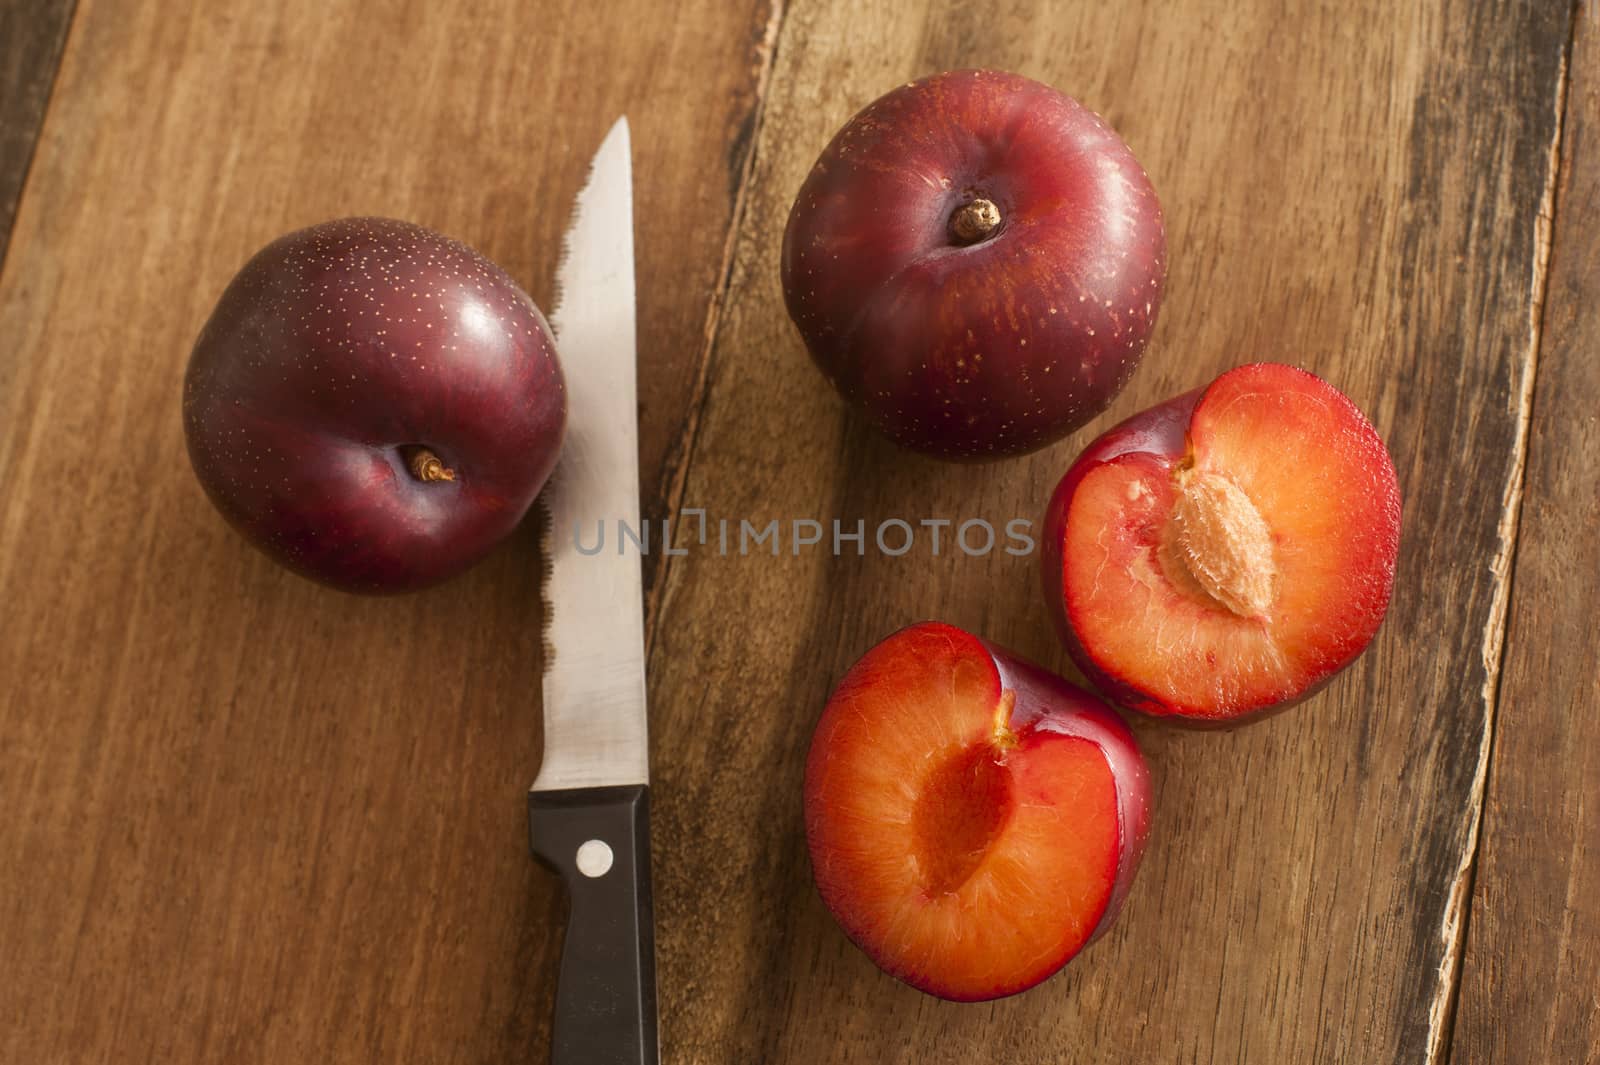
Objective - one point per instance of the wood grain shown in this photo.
(1530, 987)
(247, 819)
(1351, 187)
(31, 35)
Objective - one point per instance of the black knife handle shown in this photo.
(598, 840)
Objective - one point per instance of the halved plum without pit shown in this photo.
(1226, 552)
(973, 821)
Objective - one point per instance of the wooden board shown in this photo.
(250, 820)
(1531, 977)
(1354, 189)
(31, 35)
(247, 819)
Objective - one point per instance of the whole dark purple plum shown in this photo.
(976, 261)
(374, 405)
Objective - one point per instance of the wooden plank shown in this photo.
(31, 35)
(1353, 188)
(1530, 987)
(247, 819)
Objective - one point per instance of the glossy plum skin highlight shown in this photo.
(976, 349)
(337, 353)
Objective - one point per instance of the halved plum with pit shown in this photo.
(1227, 552)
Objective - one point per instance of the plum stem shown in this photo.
(425, 466)
(974, 221)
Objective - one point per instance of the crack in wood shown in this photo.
(678, 475)
(1441, 1013)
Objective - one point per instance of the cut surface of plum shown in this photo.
(968, 845)
(1233, 566)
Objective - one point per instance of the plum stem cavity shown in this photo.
(1224, 543)
(425, 466)
(974, 221)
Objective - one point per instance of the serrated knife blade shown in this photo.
(589, 806)
(595, 733)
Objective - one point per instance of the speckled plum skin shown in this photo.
(331, 354)
(976, 350)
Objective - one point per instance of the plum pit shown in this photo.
(1222, 542)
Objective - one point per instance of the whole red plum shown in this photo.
(976, 261)
(373, 405)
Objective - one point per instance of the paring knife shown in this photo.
(589, 807)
